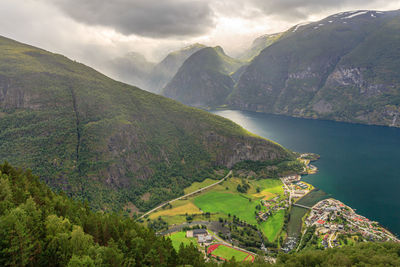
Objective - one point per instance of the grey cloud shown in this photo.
(150, 18)
(300, 9)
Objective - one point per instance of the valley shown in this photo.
(199, 133)
(256, 215)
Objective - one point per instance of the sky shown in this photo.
(91, 31)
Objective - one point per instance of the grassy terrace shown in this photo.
(180, 237)
(273, 225)
(228, 203)
(221, 200)
(197, 185)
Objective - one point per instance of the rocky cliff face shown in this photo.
(13, 96)
(240, 149)
(345, 67)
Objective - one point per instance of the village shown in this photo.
(335, 222)
(270, 206)
(295, 188)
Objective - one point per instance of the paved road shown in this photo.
(290, 191)
(330, 240)
(177, 228)
(187, 195)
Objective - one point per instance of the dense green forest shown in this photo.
(41, 228)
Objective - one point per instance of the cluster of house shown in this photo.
(291, 178)
(290, 244)
(202, 236)
(297, 189)
(302, 185)
(274, 204)
(332, 217)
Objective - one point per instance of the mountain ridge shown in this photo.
(314, 70)
(204, 78)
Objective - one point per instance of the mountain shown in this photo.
(169, 66)
(204, 78)
(105, 141)
(345, 67)
(258, 45)
(133, 68)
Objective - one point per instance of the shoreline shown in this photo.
(386, 232)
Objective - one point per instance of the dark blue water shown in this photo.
(359, 165)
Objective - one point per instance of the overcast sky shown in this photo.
(90, 30)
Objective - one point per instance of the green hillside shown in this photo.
(204, 78)
(110, 143)
(41, 228)
(345, 67)
(164, 71)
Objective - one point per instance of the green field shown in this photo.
(270, 185)
(180, 237)
(273, 225)
(197, 185)
(227, 203)
(228, 252)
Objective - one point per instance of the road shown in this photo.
(177, 228)
(330, 240)
(302, 206)
(290, 191)
(187, 195)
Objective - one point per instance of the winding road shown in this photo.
(187, 195)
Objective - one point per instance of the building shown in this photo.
(204, 239)
(199, 232)
(196, 233)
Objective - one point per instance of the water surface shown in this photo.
(359, 164)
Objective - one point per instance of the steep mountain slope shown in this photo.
(260, 44)
(345, 67)
(204, 78)
(133, 68)
(169, 66)
(106, 141)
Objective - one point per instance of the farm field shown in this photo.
(197, 185)
(223, 200)
(270, 187)
(227, 203)
(227, 253)
(181, 207)
(180, 237)
(273, 225)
